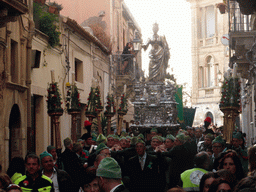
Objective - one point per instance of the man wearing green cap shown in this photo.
(110, 141)
(109, 173)
(206, 144)
(155, 142)
(169, 142)
(218, 145)
(153, 132)
(238, 146)
(34, 180)
(143, 168)
(181, 159)
(61, 180)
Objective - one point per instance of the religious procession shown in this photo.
(83, 109)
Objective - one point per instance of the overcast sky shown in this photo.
(174, 20)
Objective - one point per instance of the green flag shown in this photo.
(178, 99)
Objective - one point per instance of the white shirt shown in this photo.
(54, 179)
(143, 159)
(112, 190)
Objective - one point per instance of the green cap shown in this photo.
(123, 134)
(115, 137)
(218, 139)
(210, 136)
(170, 136)
(180, 137)
(154, 130)
(94, 135)
(67, 142)
(140, 141)
(94, 138)
(109, 168)
(44, 154)
(141, 136)
(77, 146)
(237, 135)
(109, 136)
(134, 140)
(101, 147)
(156, 137)
(121, 138)
(101, 139)
(187, 137)
(50, 147)
(128, 137)
(163, 139)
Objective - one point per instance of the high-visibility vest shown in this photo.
(47, 188)
(191, 179)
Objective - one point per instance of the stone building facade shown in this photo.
(210, 57)
(16, 32)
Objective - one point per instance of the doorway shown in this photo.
(15, 140)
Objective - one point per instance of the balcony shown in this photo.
(10, 9)
(242, 36)
(124, 72)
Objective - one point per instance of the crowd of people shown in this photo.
(195, 159)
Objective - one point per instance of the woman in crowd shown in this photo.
(232, 163)
(252, 160)
(206, 181)
(220, 185)
(91, 182)
(246, 184)
(5, 181)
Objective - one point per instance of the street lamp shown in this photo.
(136, 42)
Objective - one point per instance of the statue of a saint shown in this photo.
(159, 56)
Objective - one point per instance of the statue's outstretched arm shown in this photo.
(145, 47)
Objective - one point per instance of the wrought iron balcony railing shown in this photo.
(238, 22)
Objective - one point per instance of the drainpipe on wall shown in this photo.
(29, 55)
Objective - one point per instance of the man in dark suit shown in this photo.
(72, 164)
(146, 172)
(109, 173)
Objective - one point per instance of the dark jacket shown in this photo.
(73, 166)
(150, 179)
(64, 180)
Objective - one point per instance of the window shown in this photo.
(210, 71)
(201, 77)
(14, 61)
(201, 23)
(206, 22)
(78, 70)
(210, 21)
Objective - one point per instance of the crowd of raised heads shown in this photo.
(193, 159)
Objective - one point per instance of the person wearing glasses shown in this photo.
(218, 145)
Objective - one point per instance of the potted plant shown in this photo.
(54, 7)
(40, 1)
(222, 7)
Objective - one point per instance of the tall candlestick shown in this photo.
(235, 70)
(124, 88)
(73, 78)
(52, 75)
